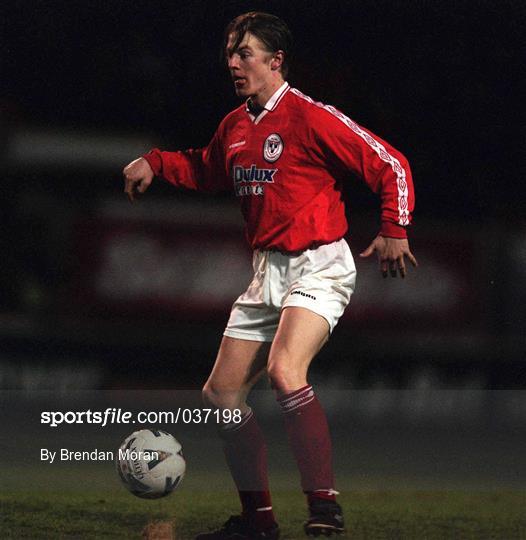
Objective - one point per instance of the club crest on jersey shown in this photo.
(272, 147)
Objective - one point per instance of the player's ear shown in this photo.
(277, 60)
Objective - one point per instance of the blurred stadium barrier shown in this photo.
(68, 148)
(193, 259)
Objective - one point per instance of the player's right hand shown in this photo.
(138, 176)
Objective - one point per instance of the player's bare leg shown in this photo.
(238, 366)
(300, 336)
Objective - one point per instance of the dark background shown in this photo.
(441, 81)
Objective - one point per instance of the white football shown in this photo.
(150, 463)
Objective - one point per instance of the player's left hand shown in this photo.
(391, 253)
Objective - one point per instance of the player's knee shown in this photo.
(217, 397)
(284, 378)
(211, 397)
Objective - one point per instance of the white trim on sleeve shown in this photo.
(379, 148)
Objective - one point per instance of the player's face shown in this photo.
(250, 66)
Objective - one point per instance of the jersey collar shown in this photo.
(270, 105)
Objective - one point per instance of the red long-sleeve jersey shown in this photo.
(287, 165)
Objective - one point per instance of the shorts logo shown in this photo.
(301, 293)
(272, 148)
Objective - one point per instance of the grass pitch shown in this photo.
(369, 515)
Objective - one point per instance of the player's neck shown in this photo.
(260, 99)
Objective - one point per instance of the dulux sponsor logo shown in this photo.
(253, 174)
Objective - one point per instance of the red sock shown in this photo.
(326, 494)
(309, 437)
(246, 456)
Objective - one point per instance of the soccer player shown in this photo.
(285, 157)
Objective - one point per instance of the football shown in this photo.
(150, 463)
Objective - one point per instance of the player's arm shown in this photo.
(386, 171)
(201, 169)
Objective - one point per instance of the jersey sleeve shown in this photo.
(201, 169)
(384, 169)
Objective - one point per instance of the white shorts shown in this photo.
(321, 280)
